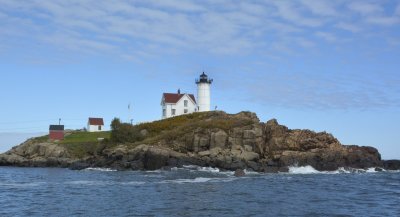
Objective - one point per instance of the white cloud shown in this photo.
(214, 27)
(385, 21)
(349, 27)
(288, 11)
(179, 5)
(334, 91)
(325, 8)
(397, 12)
(326, 36)
(365, 8)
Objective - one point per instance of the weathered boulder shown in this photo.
(239, 173)
(218, 139)
(155, 158)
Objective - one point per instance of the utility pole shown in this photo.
(59, 121)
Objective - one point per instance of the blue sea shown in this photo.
(197, 191)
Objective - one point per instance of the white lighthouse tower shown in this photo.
(203, 93)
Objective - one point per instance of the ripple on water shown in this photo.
(195, 191)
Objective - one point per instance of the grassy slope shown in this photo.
(176, 128)
(78, 143)
(81, 144)
(84, 137)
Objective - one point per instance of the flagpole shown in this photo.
(130, 113)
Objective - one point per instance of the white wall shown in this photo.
(179, 107)
(203, 97)
(94, 128)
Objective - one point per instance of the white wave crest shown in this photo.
(88, 182)
(196, 180)
(208, 169)
(100, 169)
(194, 168)
(133, 183)
(311, 170)
(303, 170)
(91, 183)
(21, 185)
(249, 172)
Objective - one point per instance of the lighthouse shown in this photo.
(203, 93)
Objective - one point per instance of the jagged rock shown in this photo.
(220, 140)
(155, 158)
(200, 143)
(239, 173)
(391, 164)
(248, 148)
(79, 166)
(249, 156)
(204, 153)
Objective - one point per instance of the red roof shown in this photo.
(96, 121)
(175, 97)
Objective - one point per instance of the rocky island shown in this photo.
(214, 139)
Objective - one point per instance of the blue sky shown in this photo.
(323, 65)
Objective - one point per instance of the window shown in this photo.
(99, 127)
(172, 111)
(185, 103)
(164, 112)
(185, 111)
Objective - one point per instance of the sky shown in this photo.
(322, 65)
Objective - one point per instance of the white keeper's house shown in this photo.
(174, 104)
(95, 125)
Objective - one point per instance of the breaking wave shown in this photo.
(101, 183)
(21, 185)
(303, 170)
(100, 169)
(311, 170)
(196, 180)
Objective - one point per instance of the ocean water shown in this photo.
(197, 191)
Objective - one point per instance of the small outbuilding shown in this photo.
(95, 125)
(56, 132)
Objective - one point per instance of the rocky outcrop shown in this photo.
(37, 155)
(391, 164)
(286, 147)
(244, 143)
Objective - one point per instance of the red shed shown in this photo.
(56, 132)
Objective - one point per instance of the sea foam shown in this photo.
(303, 170)
(196, 180)
(100, 169)
(311, 170)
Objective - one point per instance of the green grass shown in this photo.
(79, 143)
(82, 144)
(177, 128)
(84, 137)
(40, 139)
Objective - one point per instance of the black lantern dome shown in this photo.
(204, 79)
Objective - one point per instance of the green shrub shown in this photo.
(123, 132)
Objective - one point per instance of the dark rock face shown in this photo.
(239, 173)
(263, 147)
(391, 164)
